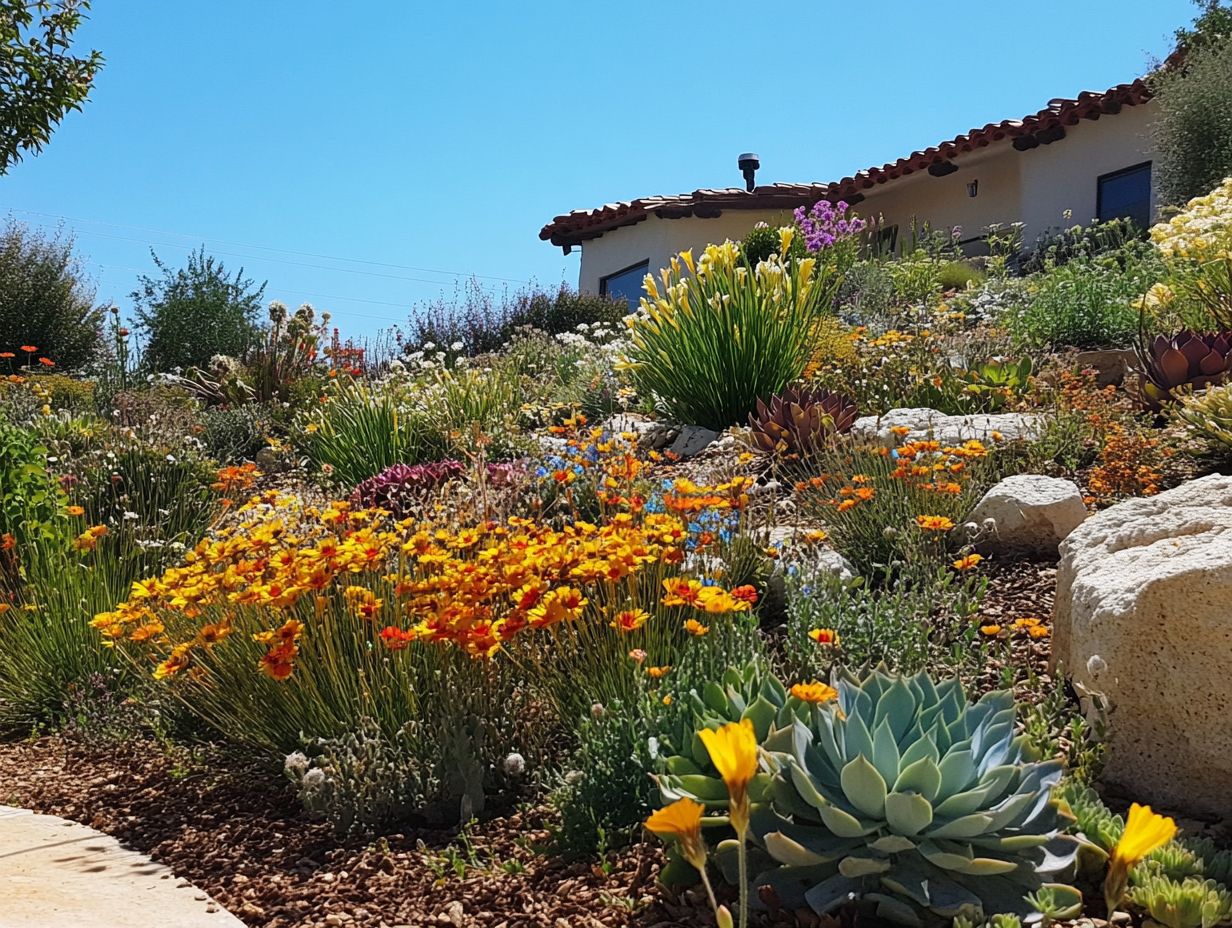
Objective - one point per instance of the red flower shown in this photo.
(746, 593)
(47, 362)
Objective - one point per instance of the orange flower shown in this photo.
(934, 523)
(745, 593)
(990, 630)
(658, 673)
(826, 636)
(696, 628)
(7, 354)
(7, 542)
(815, 692)
(29, 349)
(968, 562)
(47, 362)
(75, 511)
(629, 620)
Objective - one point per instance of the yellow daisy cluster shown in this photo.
(1202, 231)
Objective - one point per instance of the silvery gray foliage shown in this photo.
(915, 800)
(364, 779)
(901, 795)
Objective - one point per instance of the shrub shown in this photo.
(959, 275)
(763, 242)
(1088, 302)
(478, 323)
(607, 790)
(1194, 244)
(1193, 136)
(906, 627)
(190, 314)
(45, 300)
(1056, 247)
(720, 335)
(237, 433)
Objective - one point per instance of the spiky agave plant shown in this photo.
(800, 420)
(906, 797)
(1187, 359)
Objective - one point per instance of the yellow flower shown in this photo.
(75, 511)
(815, 692)
(629, 620)
(733, 751)
(682, 820)
(1144, 832)
(658, 673)
(696, 628)
(990, 630)
(968, 562)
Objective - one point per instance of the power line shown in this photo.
(285, 251)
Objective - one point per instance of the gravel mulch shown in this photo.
(233, 831)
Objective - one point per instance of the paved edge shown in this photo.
(54, 872)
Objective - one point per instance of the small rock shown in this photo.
(454, 914)
(924, 423)
(1029, 514)
(691, 440)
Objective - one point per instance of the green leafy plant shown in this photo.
(40, 80)
(720, 334)
(1187, 903)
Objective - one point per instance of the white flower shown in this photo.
(314, 780)
(1096, 665)
(296, 763)
(514, 765)
(456, 346)
(130, 516)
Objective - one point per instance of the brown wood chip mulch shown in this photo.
(233, 831)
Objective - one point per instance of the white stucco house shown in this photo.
(1090, 156)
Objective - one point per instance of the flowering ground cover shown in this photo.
(591, 614)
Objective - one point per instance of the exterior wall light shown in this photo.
(973, 188)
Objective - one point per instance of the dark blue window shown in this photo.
(626, 283)
(1126, 194)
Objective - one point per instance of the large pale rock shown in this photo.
(924, 423)
(1144, 616)
(1028, 514)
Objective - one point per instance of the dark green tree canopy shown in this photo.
(192, 313)
(1193, 103)
(45, 300)
(40, 81)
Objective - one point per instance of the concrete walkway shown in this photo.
(55, 873)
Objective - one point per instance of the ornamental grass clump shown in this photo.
(888, 509)
(716, 334)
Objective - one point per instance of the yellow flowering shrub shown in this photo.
(1196, 245)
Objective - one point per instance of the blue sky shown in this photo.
(366, 161)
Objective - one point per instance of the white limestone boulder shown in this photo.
(1027, 514)
(1144, 616)
(924, 423)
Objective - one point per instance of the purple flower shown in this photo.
(826, 224)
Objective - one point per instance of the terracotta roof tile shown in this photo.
(1032, 130)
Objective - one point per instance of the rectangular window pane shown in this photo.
(1127, 194)
(626, 283)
